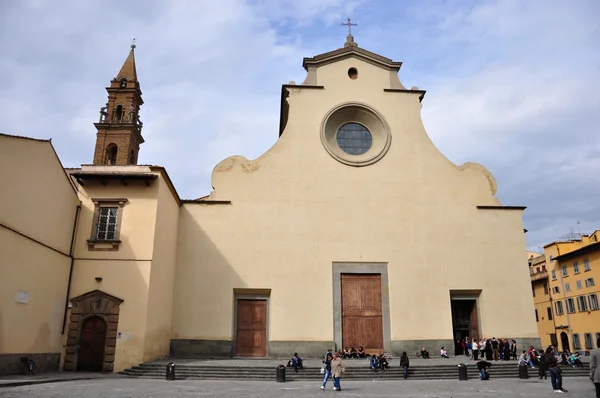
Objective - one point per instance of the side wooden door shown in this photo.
(92, 344)
(362, 322)
(251, 336)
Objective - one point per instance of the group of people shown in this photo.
(547, 361)
(333, 366)
(377, 363)
(490, 349)
(353, 353)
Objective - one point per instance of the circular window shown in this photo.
(354, 138)
(352, 73)
(355, 134)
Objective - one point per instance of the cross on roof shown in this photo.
(349, 25)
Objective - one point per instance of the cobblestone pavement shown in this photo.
(133, 388)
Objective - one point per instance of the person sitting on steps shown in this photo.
(424, 353)
(361, 352)
(374, 363)
(383, 362)
(444, 353)
(297, 362)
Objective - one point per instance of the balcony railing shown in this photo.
(536, 276)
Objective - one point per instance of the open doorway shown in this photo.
(465, 322)
(564, 341)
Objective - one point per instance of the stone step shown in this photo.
(352, 369)
(268, 373)
(348, 371)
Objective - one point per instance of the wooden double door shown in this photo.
(251, 328)
(92, 345)
(362, 321)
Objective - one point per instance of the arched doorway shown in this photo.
(92, 344)
(564, 341)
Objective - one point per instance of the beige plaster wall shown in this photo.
(160, 293)
(129, 281)
(34, 327)
(295, 210)
(36, 200)
(125, 273)
(36, 197)
(137, 227)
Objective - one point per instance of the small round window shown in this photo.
(354, 138)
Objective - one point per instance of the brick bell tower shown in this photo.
(120, 128)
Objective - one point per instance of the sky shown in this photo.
(513, 85)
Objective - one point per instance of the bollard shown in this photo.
(523, 372)
(462, 371)
(281, 374)
(170, 371)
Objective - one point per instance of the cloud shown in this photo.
(513, 85)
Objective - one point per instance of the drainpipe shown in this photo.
(72, 256)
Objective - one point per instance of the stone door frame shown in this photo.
(250, 294)
(339, 268)
(93, 303)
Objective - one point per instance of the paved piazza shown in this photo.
(132, 388)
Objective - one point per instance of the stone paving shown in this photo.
(133, 388)
(49, 377)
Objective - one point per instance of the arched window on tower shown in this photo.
(123, 83)
(132, 159)
(111, 154)
(119, 113)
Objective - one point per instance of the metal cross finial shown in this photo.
(133, 43)
(349, 25)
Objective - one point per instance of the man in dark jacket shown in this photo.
(404, 363)
(543, 366)
(555, 376)
(482, 367)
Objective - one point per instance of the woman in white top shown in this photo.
(475, 349)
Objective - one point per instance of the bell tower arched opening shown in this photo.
(111, 154)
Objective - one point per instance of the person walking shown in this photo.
(595, 367)
(404, 363)
(327, 369)
(337, 368)
(555, 377)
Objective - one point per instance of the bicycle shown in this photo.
(29, 366)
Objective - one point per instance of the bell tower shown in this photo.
(120, 128)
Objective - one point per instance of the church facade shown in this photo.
(352, 230)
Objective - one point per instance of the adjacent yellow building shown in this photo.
(574, 270)
(540, 288)
(324, 241)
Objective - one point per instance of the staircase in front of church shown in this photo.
(435, 372)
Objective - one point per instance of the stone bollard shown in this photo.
(523, 372)
(281, 374)
(170, 371)
(462, 371)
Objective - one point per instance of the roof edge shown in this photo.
(340, 53)
(582, 250)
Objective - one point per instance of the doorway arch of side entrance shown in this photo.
(564, 342)
(92, 344)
